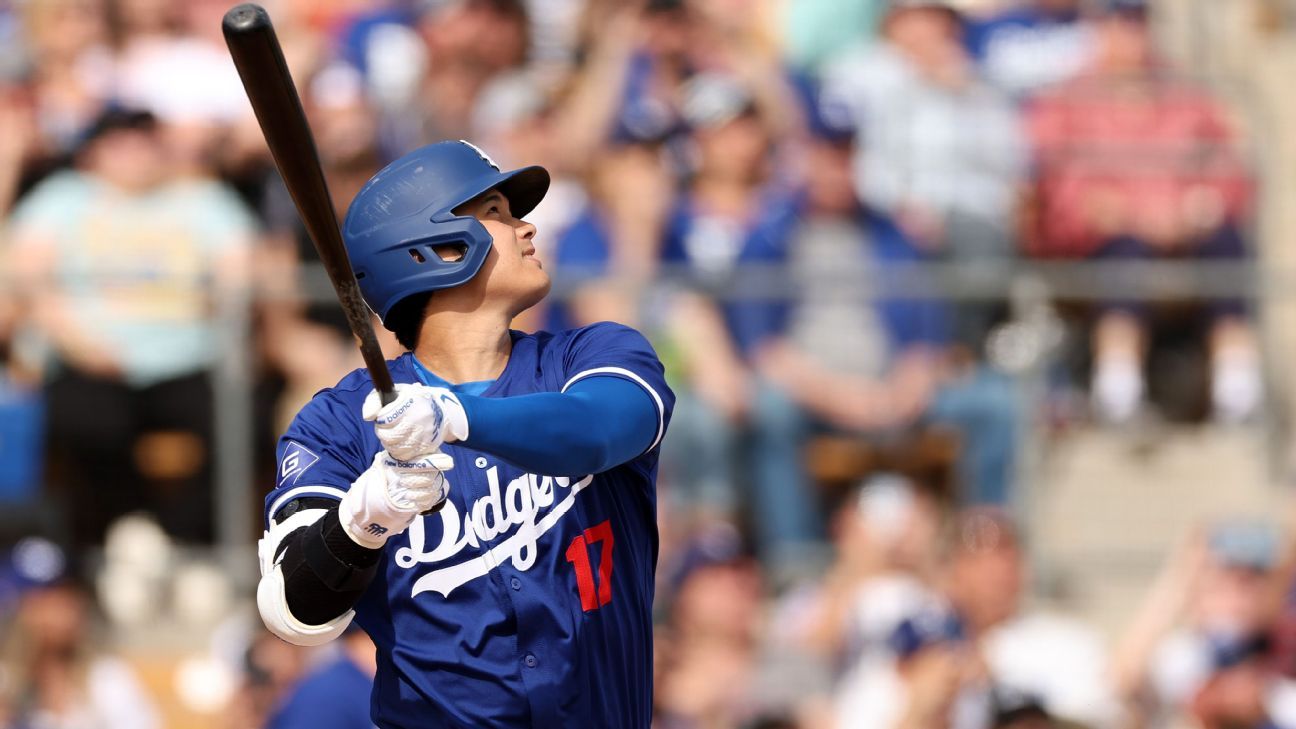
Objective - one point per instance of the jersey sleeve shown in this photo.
(607, 349)
(321, 453)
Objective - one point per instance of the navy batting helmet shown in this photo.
(406, 210)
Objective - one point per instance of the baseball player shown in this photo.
(516, 589)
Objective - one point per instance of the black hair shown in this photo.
(116, 119)
(405, 319)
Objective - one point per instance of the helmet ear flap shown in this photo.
(459, 235)
(419, 261)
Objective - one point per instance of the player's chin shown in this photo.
(544, 284)
(536, 287)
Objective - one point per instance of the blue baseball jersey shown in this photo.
(526, 601)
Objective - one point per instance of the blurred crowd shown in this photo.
(744, 180)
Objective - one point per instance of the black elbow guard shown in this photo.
(325, 571)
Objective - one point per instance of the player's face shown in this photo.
(512, 273)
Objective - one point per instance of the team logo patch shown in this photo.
(297, 458)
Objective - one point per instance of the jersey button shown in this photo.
(516, 583)
(530, 661)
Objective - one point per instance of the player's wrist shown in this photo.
(390, 494)
(418, 421)
(368, 512)
(342, 546)
(358, 533)
(455, 429)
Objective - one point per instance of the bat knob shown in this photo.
(245, 18)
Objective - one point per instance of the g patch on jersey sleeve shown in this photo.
(297, 459)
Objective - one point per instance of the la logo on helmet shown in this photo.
(481, 154)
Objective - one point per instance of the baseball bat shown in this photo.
(255, 49)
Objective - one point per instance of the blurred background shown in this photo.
(977, 313)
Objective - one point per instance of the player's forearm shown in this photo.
(330, 572)
(599, 423)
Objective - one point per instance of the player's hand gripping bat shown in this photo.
(260, 62)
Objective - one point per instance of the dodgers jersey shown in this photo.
(526, 601)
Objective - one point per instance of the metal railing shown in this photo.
(1030, 287)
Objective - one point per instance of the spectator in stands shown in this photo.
(1200, 644)
(121, 266)
(879, 364)
(1133, 163)
(657, 71)
(468, 45)
(170, 59)
(885, 541)
(55, 674)
(943, 155)
(728, 229)
(335, 695)
(271, 669)
(642, 58)
(425, 65)
(709, 643)
(976, 657)
(663, 55)
(1032, 44)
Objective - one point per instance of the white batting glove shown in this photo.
(386, 498)
(418, 421)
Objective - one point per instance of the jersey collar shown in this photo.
(430, 379)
